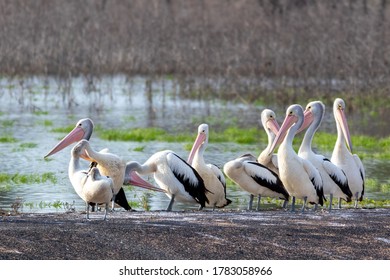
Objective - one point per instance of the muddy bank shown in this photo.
(341, 234)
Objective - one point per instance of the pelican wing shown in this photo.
(338, 176)
(274, 160)
(265, 177)
(104, 151)
(218, 173)
(316, 179)
(188, 177)
(362, 172)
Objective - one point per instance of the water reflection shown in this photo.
(31, 108)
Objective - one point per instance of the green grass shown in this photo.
(18, 179)
(139, 149)
(7, 123)
(45, 123)
(364, 146)
(65, 129)
(233, 134)
(24, 146)
(41, 113)
(7, 138)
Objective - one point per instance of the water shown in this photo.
(31, 108)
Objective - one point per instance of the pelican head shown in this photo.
(203, 134)
(341, 120)
(294, 119)
(314, 110)
(82, 130)
(78, 151)
(268, 119)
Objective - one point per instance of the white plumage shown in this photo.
(90, 185)
(342, 153)
(300, 178)
(335, 182)
(176, 177)
(212, 176)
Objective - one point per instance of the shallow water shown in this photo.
(113, 102)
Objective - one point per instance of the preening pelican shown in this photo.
(255, 178)
(175, 176)
(271, 127)
(335, 182)
(212, 176)
(300, 178)
(107, 163)
(89, 185)
(342, 153)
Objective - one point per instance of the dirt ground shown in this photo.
(271, 234)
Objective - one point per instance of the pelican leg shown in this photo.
(92, 206)
(250, 202)
(304, 204)
(87, 210)
(285, 203)
(356, 200)
(330, 201)
(339, 202)
(113, 203)
(258, 203)
(315, 207)
(293, 204)
(105, 212)
(171, 203)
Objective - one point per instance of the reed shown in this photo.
(244, 50)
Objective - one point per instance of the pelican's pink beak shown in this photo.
(137, 181)
(198, 141)
(342, 120)
(273, 125)
(308, 119)
(74, 136)
(287, 123)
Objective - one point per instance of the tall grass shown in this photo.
(245, 46)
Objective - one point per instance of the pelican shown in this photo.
(335, 182)
(271, 127)
(174, 175)
(212, 176)
(342, 154)
(255, 178)
(109, 164)
(90, 185)
(301, 179)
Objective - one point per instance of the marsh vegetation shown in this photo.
(149, 72)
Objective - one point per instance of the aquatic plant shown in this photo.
(139, 149)
(7, 138)
(17, 179)
(24, 146)
(136, 134)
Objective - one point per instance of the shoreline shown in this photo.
(346, 234)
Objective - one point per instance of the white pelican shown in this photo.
(212, 176)
(300, 178)
(342, 154)
(109, 164)
(271, 127)
(89, 185)
(255, 178)
(335, 182)
(175, 176)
